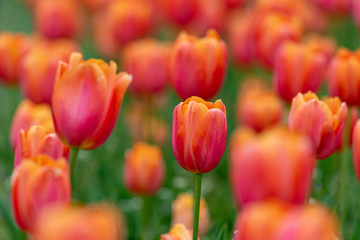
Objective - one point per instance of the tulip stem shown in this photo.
(197, 205)
(73, 156)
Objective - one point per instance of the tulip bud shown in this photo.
(199, 134)
(263, 173)
(94, 222)
(144, 169)
(39, 140)
(38, 68)
(178, 232)
(197, 67)
(183, 213)
(28, 114)
(12, 49)
(145, 61)
(322, 121)
(36, 183)
(298, 68)
(180, 11)
(86, 101)
(344, 76)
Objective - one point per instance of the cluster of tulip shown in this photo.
(72, 104)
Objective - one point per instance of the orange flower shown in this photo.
(323, 121)
(36, 183)
(28, 114)
(92, 222)
(144, 169)
(183, 213)
(321, 44)
(86, 101)
(197, 67)
(178, 232)
(199, 134)
(180, 11)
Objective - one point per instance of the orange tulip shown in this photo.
(38, 68)
(356, 148)
(258, 107)
(86, 101)
(36, 183)
(199, 134)
(323, 121)
(28, 114)
(276, 164)
(321, 44)
(183, 213)
(297, 68)
(144, 169)
(344, 76)
(197, 67)
(94, 222)
(180, 11)
(39, 140)
(13, 46)
(58, 19)
(145, 60)
(178, 232)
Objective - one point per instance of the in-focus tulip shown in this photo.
(322, 121)
(38, 68)
(144, 169)
(93, 222)
(197, 67)
(28, 114)
(297, 68)
(183, 213)
(86, 101)
(39, 140)
(178, 232)
(199, 131)
(276, 164)
(257, 106)
(180, 11)
(36, 183)
(145, 61)
(344, 76)
(356, 148)
(13, 46)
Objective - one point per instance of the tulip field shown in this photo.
(179, 119)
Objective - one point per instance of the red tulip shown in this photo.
(180, 11)
(86, 101)
(356, 148)
(356, 11)
(335, 6)
(234, 3)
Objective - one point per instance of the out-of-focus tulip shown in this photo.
(240, 136)
(183, 213)
(94, 222)
(344, 76)
(28, 114)
(197, 67)
(58, 19)
(257, 106)
(13, 47)
(321, 44)
(36, 183)
(335, 6)
(86, 101)
(95, 5)
(38, 68)
(356, 11)
(178, 232)
(272, 31)
(323, 121)
(297, 68)
(234, 3)
(276, 164)
(145, 61)
(199, 134)
(39, 140)
(354, 116)
(180, 11)
(144, 169)
(356, 148)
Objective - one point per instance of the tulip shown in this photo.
(356, 12)
(234, 3)
(145, 60)
(335, 6)
(38, 68)
(94, 222)
(344, 76)
(258, 107)
(28, 114)
(183, 210)
(240, 136)
(197, 67)
(298, 68)
(39, 140)
(144, 169)
(180, 11)
(276, 164)
(36, 183)
(356, 149)
(178, 232)
(321, 44)
(95, 5)
(323, 121)
(12, 49)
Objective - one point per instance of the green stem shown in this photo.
(197, 205)
(73, 156)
